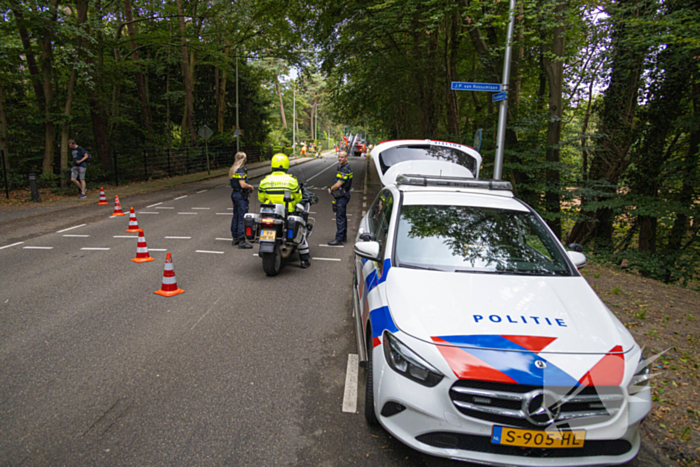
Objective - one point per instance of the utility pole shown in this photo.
(503, 109)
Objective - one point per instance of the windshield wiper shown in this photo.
(413, 266)
(485, 271)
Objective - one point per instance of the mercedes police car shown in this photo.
(481, 340)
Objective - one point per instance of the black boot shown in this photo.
(243, 245)
(335, 242)
(305, 261)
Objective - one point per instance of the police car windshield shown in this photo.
(477, 240)
(423, 152)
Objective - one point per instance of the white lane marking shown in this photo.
(324, 187)
(212, 252)
(180, 238)
(148, 212)
(71, 228)
(346, 220)
(190, 213)
(125, 236)
(180, 197)
(205, 314)
(324, 170)
(200, 208)
(230, 209)
(331, 246)
(76, 236)
(224, 214)
(95, 249)
(166, 207)
(364, 205)
(325, 259)
(11, 245)
(348, 214)
(157, 249)
(255, 254)
(37, 248)
(225, 239)
(157, 204)
(350, 395)
(363, 213)
(201, 191)
(312, 212)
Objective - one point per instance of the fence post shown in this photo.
(4, 172)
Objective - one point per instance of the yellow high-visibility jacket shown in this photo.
(272, 188)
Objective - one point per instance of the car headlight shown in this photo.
(407, 363)
(640, 380)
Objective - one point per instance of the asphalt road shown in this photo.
(241, 369)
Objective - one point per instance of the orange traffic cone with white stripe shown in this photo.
(169, 287)
(142, 255)
(117, 208)
(133, 224)
(103, 200)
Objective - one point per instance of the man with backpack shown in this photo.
(77, 172)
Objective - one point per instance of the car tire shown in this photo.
(370, 414)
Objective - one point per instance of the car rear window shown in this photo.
(414, 152)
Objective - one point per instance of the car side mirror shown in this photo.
(368, 250)
(576, 247)
(579, 259)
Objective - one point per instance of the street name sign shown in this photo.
(501, 96)
(464, 86)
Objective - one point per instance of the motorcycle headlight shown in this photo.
(407, 363)
(640, 380)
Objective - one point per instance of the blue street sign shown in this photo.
(488, 87)
(501, 96)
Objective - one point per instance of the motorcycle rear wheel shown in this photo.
(272, 262)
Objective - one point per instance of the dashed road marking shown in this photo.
(201, 191)
(148, 212)
(331, 246)
(71, 228)
(157, 249)
(324, 170)
(364, 205)
(37, 248)
(224, 214)
(157, 204)
(95, 249)
(350, 395)
(125, 236)
(230, 209)
(180, 197)
(76, 236)
(363, 213)
(190, 213)
(200, 208)
(225, 239)
(179, 238)
(326, 259)
(11, 245)
(165, 207)
(210, 252)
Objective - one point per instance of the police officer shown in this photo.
(341, 194)
(271, 190)
(241, 190)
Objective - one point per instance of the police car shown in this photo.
(481, 340)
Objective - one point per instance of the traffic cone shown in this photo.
(169, 287)
(142, 255)
(133, 224)
(103, 200)
(117, 208)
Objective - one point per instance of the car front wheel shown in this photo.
(370, 414)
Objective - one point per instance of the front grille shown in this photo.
(517, 405)
(446, 440)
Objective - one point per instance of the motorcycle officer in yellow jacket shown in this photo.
(271, 190)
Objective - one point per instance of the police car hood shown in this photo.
(488, 311)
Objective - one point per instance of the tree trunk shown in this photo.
(555, 72)
(28, 53)
(47, 74)
(65, 132)
(279, 95)
(188, 118)
(451, 60)
(3, 128)
(221, 98)
(138, 75)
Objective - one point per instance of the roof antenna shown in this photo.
(441, 173)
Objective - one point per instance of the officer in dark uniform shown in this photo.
(341, 196)
(241, 190)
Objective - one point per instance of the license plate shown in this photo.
(268, 236)
(538, 439)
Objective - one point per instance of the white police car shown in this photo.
(482, 342)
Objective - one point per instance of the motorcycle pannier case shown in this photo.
(295, 226)
(251, 226)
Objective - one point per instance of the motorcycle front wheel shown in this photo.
(272, 262)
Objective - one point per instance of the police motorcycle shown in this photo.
(279, 231)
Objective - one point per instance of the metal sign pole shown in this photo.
(4, 171)
(503, 110)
